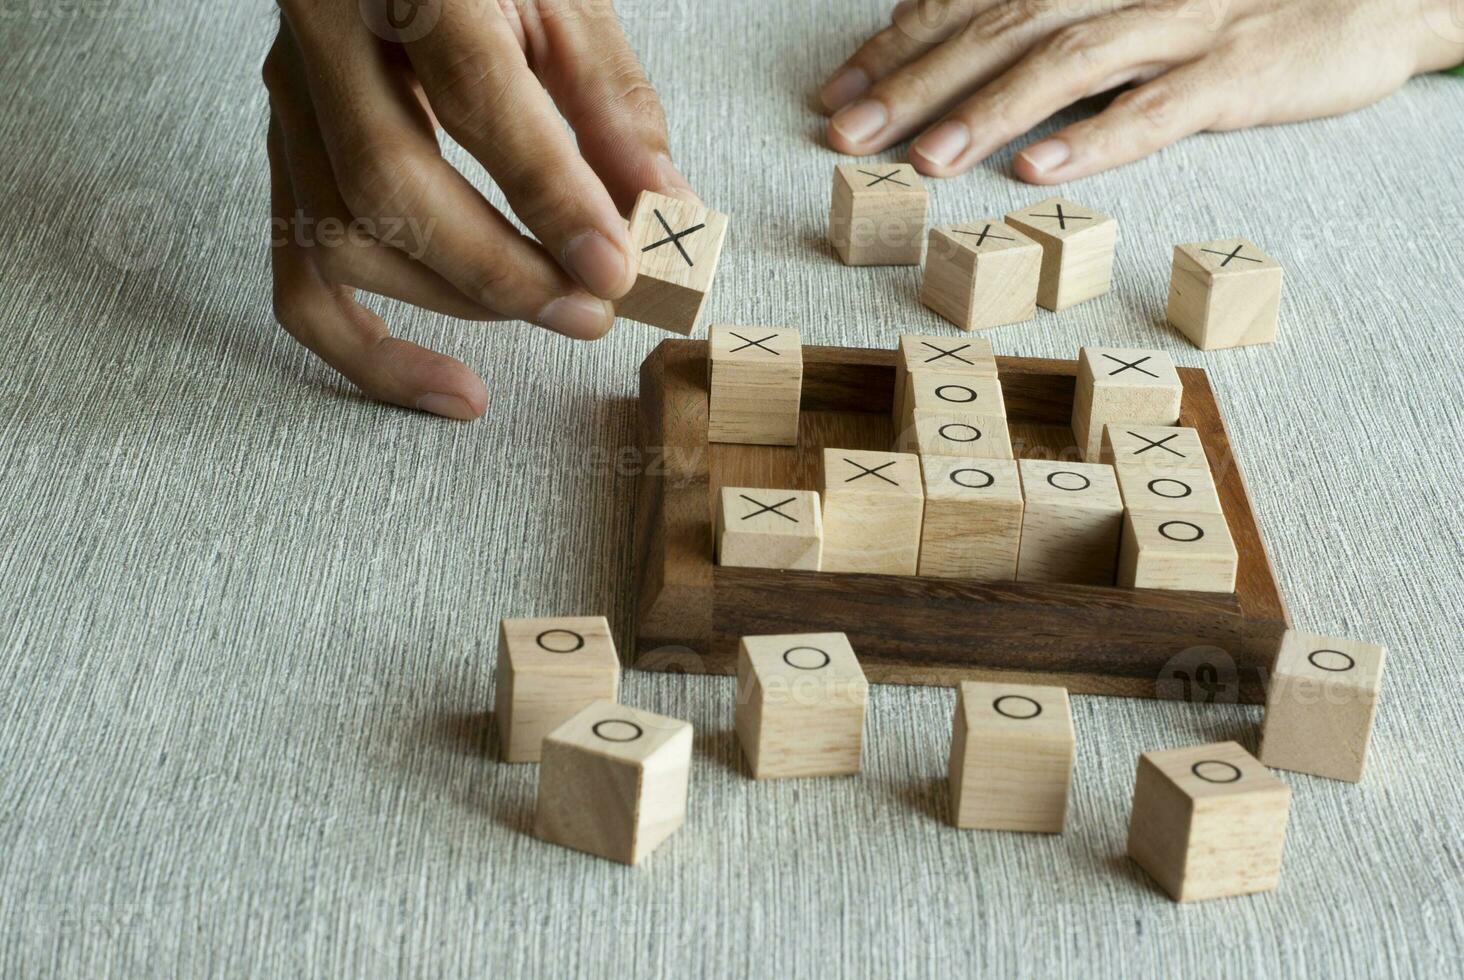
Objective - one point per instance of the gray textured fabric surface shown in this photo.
(248, 619)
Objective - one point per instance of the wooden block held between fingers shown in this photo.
(1077, 250)
(759, 528)
(877, 216)
(680, 244)
(1320, 706)
(547, 670)
(756, 384)
(1011, 757)
(981, 274)
(1225, 293)
(800, 705)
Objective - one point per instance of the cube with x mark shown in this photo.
(1122, 385)
(756, 383)
(873, 505)
(1077, 250)
(943, 355)
(762, 528)
(678, 245)
(1161, 448)
(1225, 293)
(877, 215)
(981, 274)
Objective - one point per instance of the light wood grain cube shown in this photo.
(547, 670)
(973, 518)
(943, 355)
(613, 781)
(1168, 491)
(939, 393)
(1177, 550)
(680, 244)
(759, 528)
(800, 705)
(1077, 250)
(1011, 757)
(982, 274)
(1071, 522)
(877, 216)
(1208, 822)
(756, 383)
(1225, 293)
(1320, 705)
(1122, 385)
(873, 504)
(1157, 448)
(957, 434)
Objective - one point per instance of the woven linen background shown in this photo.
(248, 619)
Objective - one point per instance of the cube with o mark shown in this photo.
(1181, 550)
(970, 356)
(1011, 757)
(800, 705)
(1320, 705)
(547, 670)
(1071, 523)
(973, 518)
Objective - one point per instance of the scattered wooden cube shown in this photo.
(982, 274)
(1224, 294)
(759, 528)
(1320, 705)
(1157, 448)
(756, 384)
(1168, 491)
(547, 670)
(957, 434)
(1077, 250)
(1169, 550)
(877, 216)
(872, 508)
(943, 355)
(679, 244)
(973, 518)
(1011, 757)
(613, 781)
(800, 705)
(1208, 822)
(1071, 522)
(1119, 385)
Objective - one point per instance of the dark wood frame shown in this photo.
(690, 612)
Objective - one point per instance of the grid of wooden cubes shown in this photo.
(1077, 250)
(1011, 757)
(800, 705)
(756, 381)
(547, 670)
(1320, 706)
(680, 245)
(877, 214)
(1225, 293)
(981, 274)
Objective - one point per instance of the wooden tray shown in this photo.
(690, 613)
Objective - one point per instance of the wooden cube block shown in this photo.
(1320, 705)
(1177, 550)
(1208, 821)
(982, 274)
(547, 670)
(872, 508)
(756, 383)
(957, 434)
(1011, 757)
(1077, 250)
(679, 244)
(1224, 294)
(613, 781)
(1071, 522)
(1157, 448)
(1168, 491)
(939, 393)
(973, 518)
(1119, 385)
(943, 355)
(877, 216)
(769, 528)
(800, 705)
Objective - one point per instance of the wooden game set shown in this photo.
(816, 518)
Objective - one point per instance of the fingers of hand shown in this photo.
(916, 26)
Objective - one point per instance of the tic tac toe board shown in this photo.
(690, 612)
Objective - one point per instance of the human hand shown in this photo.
(354, 107)
(968, 76)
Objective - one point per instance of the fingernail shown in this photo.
(448, 406)
(844, 88)
(599, 265)
(674, 183)
(1046, 156)
(860, 121)
(577, 315)
(943, 144)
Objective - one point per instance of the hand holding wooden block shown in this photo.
(872, 507)
(756, 385)
(1225, 293)
(1077, 250)
(547, 670)
(973, 518)
(1208, 822)
(1177, 550)
(1320, 706)
(769, 528)
(1121, 385)
(1071, 523)
(680, 244)
(877, 216)
(1011, 757)
(800, 705)
(982, 274)
(942, 355)
(613, 781)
